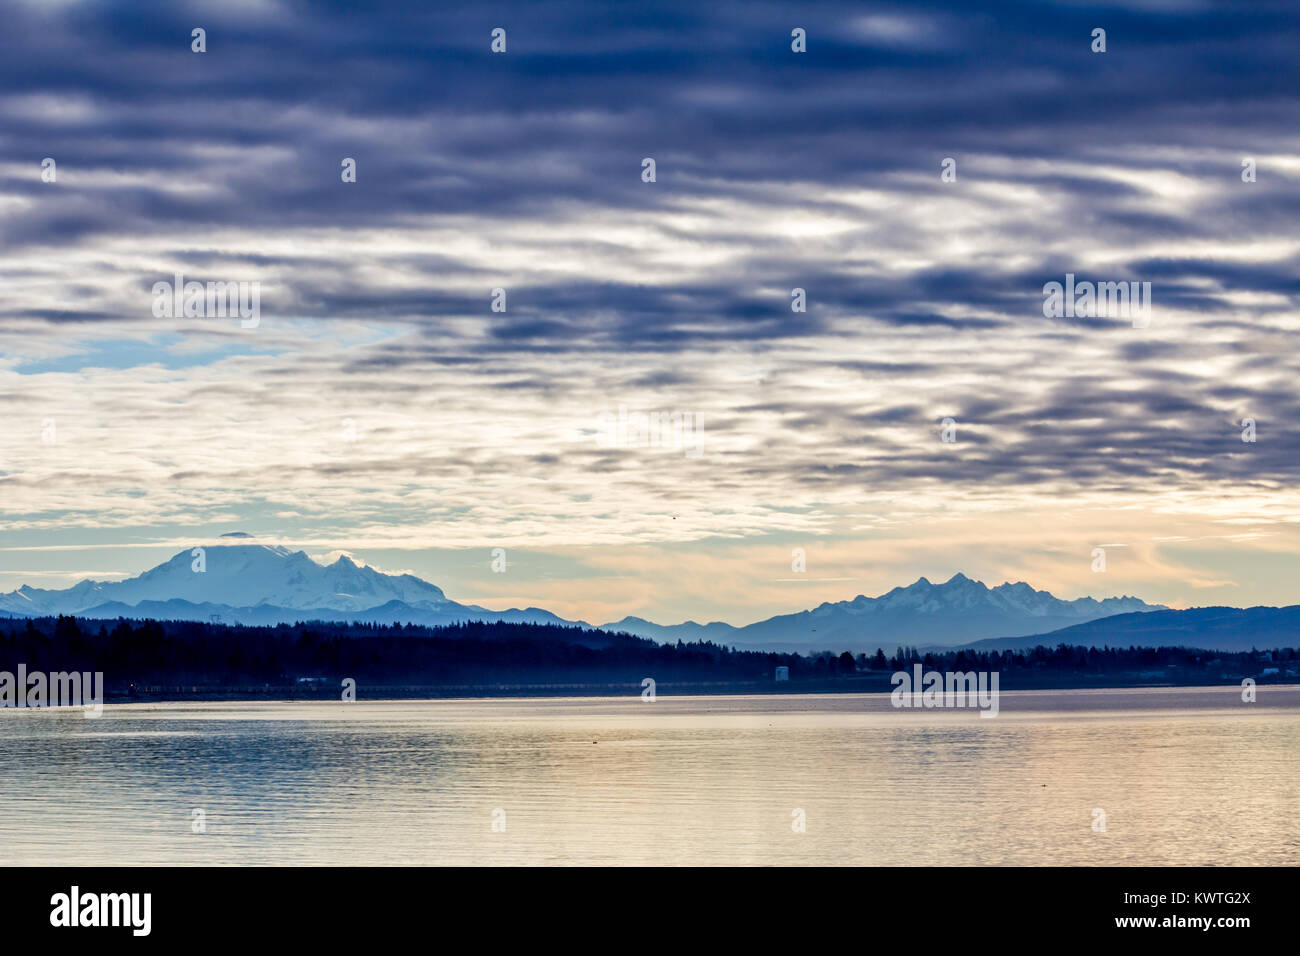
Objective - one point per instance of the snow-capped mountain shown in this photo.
(264, 584)
(239, 576)
(954, 612)
(261, 584)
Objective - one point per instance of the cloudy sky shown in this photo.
(382, 407)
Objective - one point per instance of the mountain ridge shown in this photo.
(947, 614)
(251, 583)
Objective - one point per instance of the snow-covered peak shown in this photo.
(239, 575)
(963, 594)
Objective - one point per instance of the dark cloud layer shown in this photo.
(1115, 167)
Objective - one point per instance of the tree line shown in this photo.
(190, 652)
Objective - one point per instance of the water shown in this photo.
(1184, 775)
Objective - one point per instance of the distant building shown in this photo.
(783, 673)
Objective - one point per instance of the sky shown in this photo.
(381, 406)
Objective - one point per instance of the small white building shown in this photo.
(783, 673)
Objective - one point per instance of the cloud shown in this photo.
(381, 399)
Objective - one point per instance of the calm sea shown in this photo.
(1182, 776)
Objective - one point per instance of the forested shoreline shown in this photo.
(317, 656)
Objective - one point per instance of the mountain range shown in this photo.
(258, 584)
(954, 612)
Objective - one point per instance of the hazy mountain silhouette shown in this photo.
(1208, 628)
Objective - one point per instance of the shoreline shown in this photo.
(539, 689)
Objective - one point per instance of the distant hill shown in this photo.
(1210, 628)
